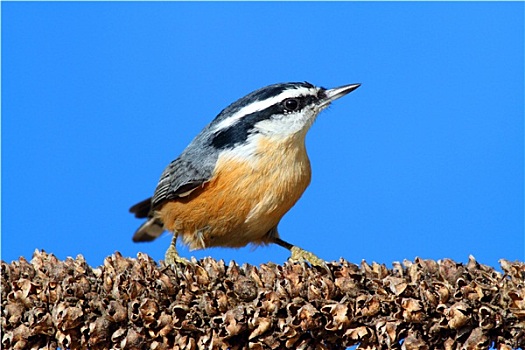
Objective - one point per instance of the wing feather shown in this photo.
(192, 169)
(178, 180)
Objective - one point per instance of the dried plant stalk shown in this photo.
(134, 304)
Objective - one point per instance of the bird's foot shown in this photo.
(172, 257)
(299, 254)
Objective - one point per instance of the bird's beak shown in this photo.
(335, 93)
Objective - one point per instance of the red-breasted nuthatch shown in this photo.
(235, 181)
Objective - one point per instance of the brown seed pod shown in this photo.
(477, 340)
(258, 326)
(148, 311)
(458, 315)
(233, 321)
(99, 331)
(397, 285)
(412, 310)
(337, 315)
(414, 342)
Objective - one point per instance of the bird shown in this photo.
(240, 175)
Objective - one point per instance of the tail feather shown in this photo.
(141, 209)
(152, 228)
(149, 230)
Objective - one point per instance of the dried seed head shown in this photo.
(477, 340)
(414, 342)
(133, 303)
(396, 285)
(338, 316)
(457, 315)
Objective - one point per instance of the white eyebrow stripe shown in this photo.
(262, 104)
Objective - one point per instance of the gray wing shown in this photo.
(192, 169)
(178, 179)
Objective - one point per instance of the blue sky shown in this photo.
(424, 159)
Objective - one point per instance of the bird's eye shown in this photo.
(291, 104)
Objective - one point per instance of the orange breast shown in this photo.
(244, 199)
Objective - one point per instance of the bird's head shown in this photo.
(276, 111)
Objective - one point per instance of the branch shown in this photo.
(134, 304)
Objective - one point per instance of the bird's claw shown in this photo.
(172, 257)
(299, 254)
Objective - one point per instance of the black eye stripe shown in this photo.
(238, 132)
(260, 95)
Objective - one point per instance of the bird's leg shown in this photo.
(299, 254)
(172, 256)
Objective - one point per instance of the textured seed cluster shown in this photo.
(136, 304)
